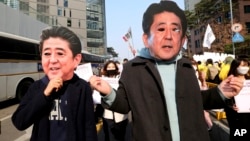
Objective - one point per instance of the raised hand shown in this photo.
(100, 85)
(231, 86)
(54, 84)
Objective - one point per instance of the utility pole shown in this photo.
(232, 22)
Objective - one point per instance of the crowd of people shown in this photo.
(159, 87)
(239, 67)
(215, 71)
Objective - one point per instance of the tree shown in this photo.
(217, 14)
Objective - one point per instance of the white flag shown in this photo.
(185, 44)
(208, 37)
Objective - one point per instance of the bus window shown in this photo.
(20, 65)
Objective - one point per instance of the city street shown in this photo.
(9, 133)
(7, 130)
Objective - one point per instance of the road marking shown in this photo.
(25, 137)
(4, 118)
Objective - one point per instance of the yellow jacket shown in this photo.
(224, 71)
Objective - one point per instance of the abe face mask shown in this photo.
(242, 70)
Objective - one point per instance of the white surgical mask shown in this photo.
(242, 70)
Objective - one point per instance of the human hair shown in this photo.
(209, 61)
(125, 59)
(235, 64)
(63, 33)
(104, 71)
(156, 8)
(198, 62)
(228, 60)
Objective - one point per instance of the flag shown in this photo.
(185, 44)
(128, 35)
(125, 38)
(130, 32)
(209, 37)
(128, 38)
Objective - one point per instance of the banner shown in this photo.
(209, 37)
(243, 98)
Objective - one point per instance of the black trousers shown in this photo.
(114, 131)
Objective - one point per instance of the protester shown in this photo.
(212, 71)
(114, 124)
(237, 121)
(60, 105)
(225, 66)
(125, 60)
(160, 87)
(119, 65)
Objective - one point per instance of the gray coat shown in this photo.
(141, 92)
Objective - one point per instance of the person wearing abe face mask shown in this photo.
(159, 86)
(59, 106)
(237, 121)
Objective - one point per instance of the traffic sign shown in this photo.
(237, 27)
(237, 38)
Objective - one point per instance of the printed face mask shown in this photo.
(242, 70)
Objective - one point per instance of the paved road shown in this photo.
(8, 131)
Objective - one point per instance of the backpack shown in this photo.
(212, 72)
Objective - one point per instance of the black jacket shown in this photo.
(35, 108)
(141, 91)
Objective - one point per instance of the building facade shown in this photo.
(84, 17)
(220, 22)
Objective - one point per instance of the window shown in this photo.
(247, 9)
(59, 11)
(43, 1)
(248, 26)
(196, 32)
(69, 22)
(42, 8)
(54, 20)
(65, 3)
(197, 44)
(92, 25)
(219, 19)
(24, 6)
(228, 15)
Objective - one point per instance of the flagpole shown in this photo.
(231, 11)
(129, 39)
(133, 47)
